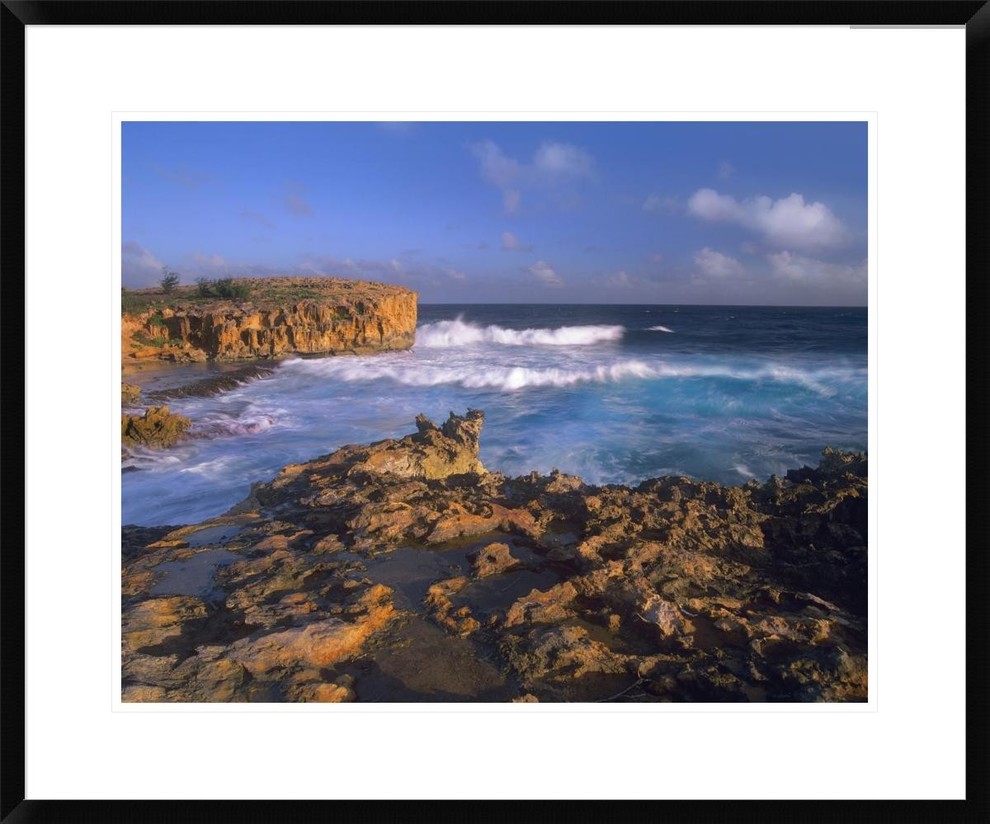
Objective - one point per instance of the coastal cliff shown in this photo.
(276, 317)
(405, 571)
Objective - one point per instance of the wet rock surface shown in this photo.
(213, 384)
(403, 571)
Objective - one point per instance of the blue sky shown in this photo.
(536, 212)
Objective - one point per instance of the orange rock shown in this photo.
(542, 607)
(335, 316)
(492, 560)
(151, 622)
(317, 644)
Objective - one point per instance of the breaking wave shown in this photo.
(214, 426)
(659, 329)
(512, 378)
(448, 333)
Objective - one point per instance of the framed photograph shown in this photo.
(538, 381)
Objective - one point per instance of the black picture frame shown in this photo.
(15, 16)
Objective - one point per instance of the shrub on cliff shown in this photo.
(223, 288)
(229, 288)
(169, 280)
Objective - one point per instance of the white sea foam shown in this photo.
(215, 467)
(659, 329)
(477, 373)
(472, 374)
(245, 425)
(449, 333)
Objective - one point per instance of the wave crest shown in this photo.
(473, 376)
(476, 375)
(449, 333)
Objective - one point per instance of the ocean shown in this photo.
(615, 394)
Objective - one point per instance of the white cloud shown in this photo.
(512, 244)
(661, 204)
(502, 171)
(553, 165)
(545, 274)
(563, 160)
(804, 270)
(725, 170)
(138, 266)
(395, 264)
(454, 274)
(714, 266)
(787, 223)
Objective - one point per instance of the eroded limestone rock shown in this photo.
(675, 590)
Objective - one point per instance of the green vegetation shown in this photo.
(145, 339)
(226, 288)
(134, 302)
(230, 288)
(350, 298)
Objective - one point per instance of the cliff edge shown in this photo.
(275, 317)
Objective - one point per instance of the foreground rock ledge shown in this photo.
(403, 571)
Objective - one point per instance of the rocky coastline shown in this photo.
(404, 571)
(278, 317)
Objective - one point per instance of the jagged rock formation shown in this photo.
(403, 571)
(282, 316)
(158, 427)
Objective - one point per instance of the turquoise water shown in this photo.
(615, 394)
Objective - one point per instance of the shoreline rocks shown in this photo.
(157, 427)
(404, 571)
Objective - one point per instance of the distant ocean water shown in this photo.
(615, 394)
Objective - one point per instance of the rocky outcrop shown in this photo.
(282, 316)
(432, 453)
(403, 571)
(130, 394)
(157, 427)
